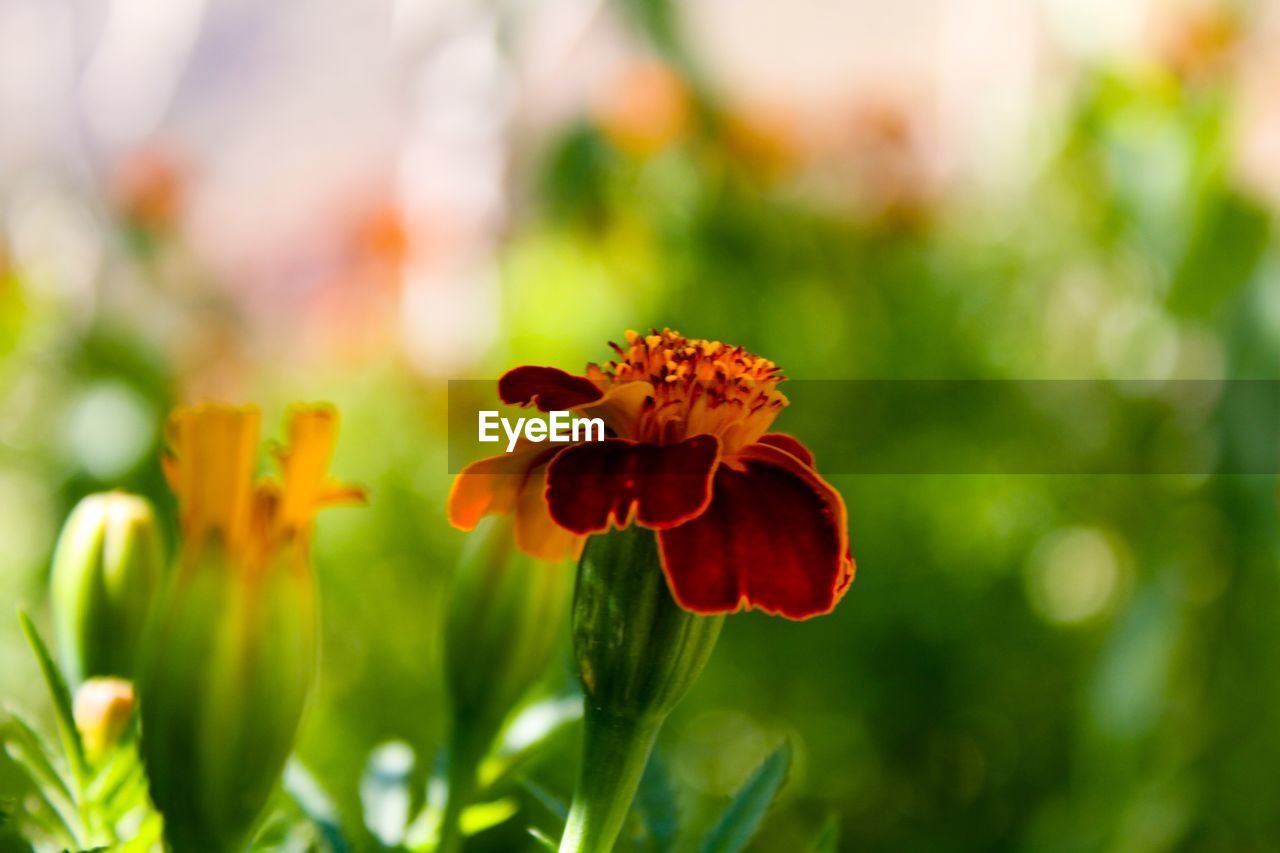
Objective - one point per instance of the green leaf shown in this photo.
(58, 816)
(29, 748)
(61, 697)
(828, 838)
(657, 805)
(311, 798)
(535, 731)
(548, 800)
(111, 778)
(747, 808)
(36, 813)
(546, 842)
(482, 816)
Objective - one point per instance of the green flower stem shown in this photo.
(461, 774)
(638, 652)
(615, 751)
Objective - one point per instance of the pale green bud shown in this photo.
(506, 616)
(223, 685)
(506, 613)
(107, 569)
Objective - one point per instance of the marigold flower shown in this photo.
(233, 652)
(743, 518)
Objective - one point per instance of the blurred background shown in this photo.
(357, 201)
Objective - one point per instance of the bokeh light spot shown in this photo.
(109, 428)
(1073, 575)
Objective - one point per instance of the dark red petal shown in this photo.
(548, 388)
(775, 538)
(592, 483)
(789, 443)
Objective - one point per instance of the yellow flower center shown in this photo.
(699, 388)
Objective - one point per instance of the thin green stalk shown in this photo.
(460, 779)
(615, 751)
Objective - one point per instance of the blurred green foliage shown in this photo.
(1041, 663)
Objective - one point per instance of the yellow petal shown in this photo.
(210, 468)
(304, 466)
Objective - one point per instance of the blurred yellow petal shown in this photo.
(210, 468)
(304, 465)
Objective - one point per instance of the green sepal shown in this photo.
(224, 680)
(638, 652)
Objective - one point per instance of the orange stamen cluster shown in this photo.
(699, 387)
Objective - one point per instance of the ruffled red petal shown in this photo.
(789, 443)
(548, 388)
(775, 537)
(590, 484)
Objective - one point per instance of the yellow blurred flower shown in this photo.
(233, 654)
(211, 469)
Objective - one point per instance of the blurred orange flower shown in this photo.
(645, 109)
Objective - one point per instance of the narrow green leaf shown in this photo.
(828, 838)
(37, 814)
(482, 816)
(549, 801)
(146, 838)
(316, 804)
(747, 808)
(656, 802)
(54, 817)
(130, 793)
(536, 731)
(110, 778)
(543, 839)
(61, 697)
(36, 756)
(57, 801)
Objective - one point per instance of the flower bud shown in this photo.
(638, 652)
(232, 651)
(505, 615)
(102, 710)
(226, 677)
(106, 570)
